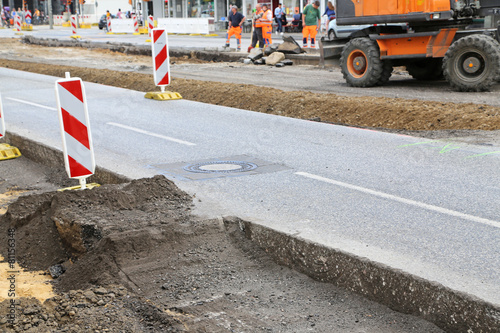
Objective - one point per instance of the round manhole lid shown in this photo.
(221, 167)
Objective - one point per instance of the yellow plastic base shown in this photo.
(210, 35)
(7, 152)
(85, 26)
(27, 27)
(163, 96)
(148, 40)
(18, 33)
(66, 24)
(78, 187)
(75, 36)
(136, 33)
(110, 33)
(143, 30)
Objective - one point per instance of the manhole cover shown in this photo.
(220, 167)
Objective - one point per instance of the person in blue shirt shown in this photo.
(236, 20)
(330, 13)
(278, 15)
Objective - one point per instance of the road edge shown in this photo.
(451, 310)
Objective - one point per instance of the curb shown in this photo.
(207, 54)
(448, 309)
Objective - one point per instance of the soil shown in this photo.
(134, 259)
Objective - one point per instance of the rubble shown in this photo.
(275, 58)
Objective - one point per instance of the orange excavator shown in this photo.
(459, 39)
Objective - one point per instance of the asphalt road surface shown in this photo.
(427, 207)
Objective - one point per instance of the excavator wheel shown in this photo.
(361, 64)
(426, 69)
(472, 63)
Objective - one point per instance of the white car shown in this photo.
(344, 31)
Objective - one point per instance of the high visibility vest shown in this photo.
(268, 15)
(258, 24)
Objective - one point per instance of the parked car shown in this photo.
(103, 22)
(344, 31)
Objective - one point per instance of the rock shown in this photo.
(275, 58)
(101, 291)
(287, 62)
(255, 54)
(289, 46)
(71, 313)
(56, 270)
(259, 62)
(101, 302)
(89, 294)
(247, 61)
(270, 49)
(280, 64)
(30, 310)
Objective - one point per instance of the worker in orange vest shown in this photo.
(257, 28)
(236, 20)
(267, 25)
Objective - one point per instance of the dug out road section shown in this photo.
(427, 207)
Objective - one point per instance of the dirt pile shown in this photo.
(134, 259)
(86, 231)
(371, 112)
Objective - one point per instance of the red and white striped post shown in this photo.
(108, 22)
(161, 61)
(75, 129)
(136, 24)
(73, 24)
(2, 121)
(27, 17)
(151, 25)
(17, 22)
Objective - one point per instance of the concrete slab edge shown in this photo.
(451, 310)
(135, 49)
(52, 157)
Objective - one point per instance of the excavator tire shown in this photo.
(426, 69)
(472, 63)
(361, 65)
(386, 72)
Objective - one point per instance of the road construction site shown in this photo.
(421, 239)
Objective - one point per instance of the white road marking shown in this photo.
(31, 103)
(138, 130)
(442, 210)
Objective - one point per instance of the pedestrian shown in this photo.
(279, 14)
(108, 17)
(267, 25)
(257, 28)
(236, 20)
(119, 14)
(4, 18)
(311, 21)
(330, 13)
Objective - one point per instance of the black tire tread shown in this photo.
(483, 42)
(374, 73)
